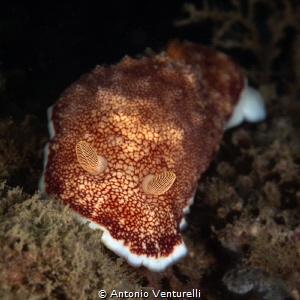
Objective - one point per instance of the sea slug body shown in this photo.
(130, 141)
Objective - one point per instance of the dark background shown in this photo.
(46, 45)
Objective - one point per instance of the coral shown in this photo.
(242, 281)
(257, 198)
(264, 33)
(44, 256)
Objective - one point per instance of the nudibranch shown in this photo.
(129, 142)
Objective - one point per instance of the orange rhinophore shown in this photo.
(88, 158)
(158, 184)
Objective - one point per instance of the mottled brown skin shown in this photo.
(159, 113)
